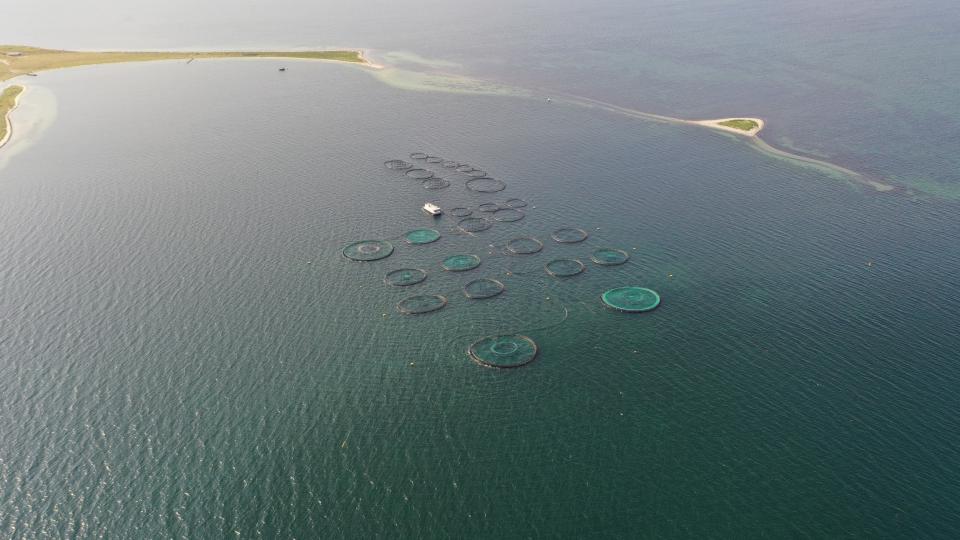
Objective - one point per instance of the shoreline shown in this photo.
(716, 124)
(8, 123)
(18, 60)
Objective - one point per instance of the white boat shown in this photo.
(432, 209)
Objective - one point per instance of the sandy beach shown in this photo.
(716, 124)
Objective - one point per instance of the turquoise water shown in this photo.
(185, 352)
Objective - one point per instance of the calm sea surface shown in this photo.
(184, 351)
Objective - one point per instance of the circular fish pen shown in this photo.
(434, 159)
(449, 164)
(418, 155)
(564, 267)
(488, 207)
(460, 263)
(609, 256)
(569, 235)
(368, 250)
(422, 236)
(417, 305)
(483, 288)
(474, 224)
(464, 168)
(436, 183)
(419, 174)
(397, 165)
(631, 299)
(476, 173)
(460, 211)
(405, 277)
(508, 215)
(485, 185)
(524, 246)
(514, 203)
(505, 352)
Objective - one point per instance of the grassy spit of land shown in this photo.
(8, 100)
(740, 126)
(16, 60)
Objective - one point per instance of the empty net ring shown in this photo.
(460, 211)
(631, 299)
(434, 159)
(508, 214)
(564, 267)
(419, 174)
(460, 263)
(484, 185)
(524, 246)
(436, 183)
(404, 277)
(418, 155)
(422, 236)
(609, 256)
(488, 207)
(415, 305)
(368, 250)
(569, 235)
(397, 164)
(474, 224)
(483, 288)
(514, 203)
(508, 351)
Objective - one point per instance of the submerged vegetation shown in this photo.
(7, 100)
(16, 60)
(740, 123)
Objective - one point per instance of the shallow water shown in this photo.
(187, 353)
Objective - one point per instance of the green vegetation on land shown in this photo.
(745, 125)
(7, 99)
(26, 60)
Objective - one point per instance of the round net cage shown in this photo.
(450, 164)
(524, 246)
(464, 168)
(415, 305)
(508, 214)
(569, 235)
(483, 288)
(488, 207)
(461, 263)
(485, 185)
(510, 351)
(460, 212)
(476, 173)
(436, 183)
(397, 165)
(368, 250)
(422, 236)
(404, 277)
(474, 224)
(418, 155)
(564, 267)
(609, 256)
(419, 174)
(631, 299)
(514, 203)
(434, 159)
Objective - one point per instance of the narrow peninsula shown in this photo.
(8, 100)
(16, 60)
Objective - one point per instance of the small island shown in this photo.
(16, 60)
(741, 126)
